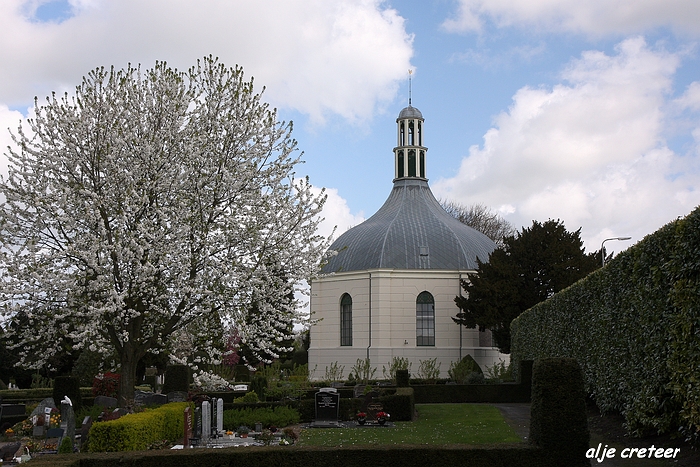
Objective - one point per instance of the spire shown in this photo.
(409, 154)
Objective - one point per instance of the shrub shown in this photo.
(500, 371)
(135, 432)
(559, 422)
(259, 385)
(177, 378)
(279, 416)
(429, 370)
(67, 386)
(363, 370)
(334, 372)
(66, 446)
(106, 384)
(397, 363)
(461, 371)
(249, 398)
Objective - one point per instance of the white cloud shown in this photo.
(589, 151)
(336, 214)
(9, 120)
(343, 57)
(592, 17)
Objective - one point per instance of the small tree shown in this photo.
(532, 266)
(482, 218)
(151, 202)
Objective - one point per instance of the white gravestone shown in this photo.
(206, 420)
(219, 416)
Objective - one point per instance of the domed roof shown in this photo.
(410, 231)
(410, 112)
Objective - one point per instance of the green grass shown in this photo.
(436, 424)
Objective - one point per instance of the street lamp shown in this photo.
(602, 247)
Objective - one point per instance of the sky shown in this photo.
(586, 112)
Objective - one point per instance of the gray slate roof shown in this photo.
(410, 231)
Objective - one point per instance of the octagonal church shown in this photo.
(390, 289)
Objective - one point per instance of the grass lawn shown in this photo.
(436, 424)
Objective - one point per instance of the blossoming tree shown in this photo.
(148, 202)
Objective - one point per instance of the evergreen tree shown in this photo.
(532, 265)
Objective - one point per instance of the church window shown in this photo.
(400, 164)
(411, 162)
(422, 164)
(425, 319)
(346, 320)
(410, 133)
(402, 138)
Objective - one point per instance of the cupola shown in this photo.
(409, 153)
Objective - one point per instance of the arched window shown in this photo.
(346, 320)
(425, 319)
(400, 164)
(422, 164)
(411, 162)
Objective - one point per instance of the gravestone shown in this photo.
(206, 420)
(371, 405)
(359, 391)
(219, 416)
(105, 401)
(198, 422)
(327, 405)
(188, 427)
(68, 420)
(85, 431)
(140, 397)
(39, 410)
(177, 396)
(157, 399)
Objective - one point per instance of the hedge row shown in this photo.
(633, 327)
(135, 432)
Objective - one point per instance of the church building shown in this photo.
(390, 289)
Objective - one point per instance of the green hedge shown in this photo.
(293, 456)
(632, 326)
(135, 432)
(280, 416)
(559, 422)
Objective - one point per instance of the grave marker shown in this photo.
(206, 420)
(188, 427)
(327, 408)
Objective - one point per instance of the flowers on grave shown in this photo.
(382, 417)
(243, 431)
(361, 417)
(284, 442)
(9, 432)
(55, 418)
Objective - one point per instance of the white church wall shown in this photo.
(393, 321)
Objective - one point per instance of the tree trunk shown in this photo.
(129, 360)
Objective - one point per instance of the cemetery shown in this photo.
(228, 428)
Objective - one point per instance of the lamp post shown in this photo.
(602, 247)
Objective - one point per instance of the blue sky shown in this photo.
(579, 111)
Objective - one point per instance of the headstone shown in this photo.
(198, 422)
(359, 390)
(140, 397)
(68, 420)
(85, 431)
(105, 401)
(370, 405)
(177, 396)
(206, 420)
(39, 410)
(188, 427)
(240, 388)
(219, 416)
(327, 407)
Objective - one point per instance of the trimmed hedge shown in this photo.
(67, 386)
(632, 326)
(135, 432)
(559, 421)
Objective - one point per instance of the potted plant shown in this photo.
(382, 417)
(361, 418)
(243, 431)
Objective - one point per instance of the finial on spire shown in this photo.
(410, 72)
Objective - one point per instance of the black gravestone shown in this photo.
(327, 408)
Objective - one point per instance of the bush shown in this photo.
(66, 446)
(460, 371)
(106, 384)
(259, 385)
(559, 422)
(279, 416)
(396, 364)
(135, 432)
(249, 398)
(67, 386)
(177, 378)
(429, 370)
